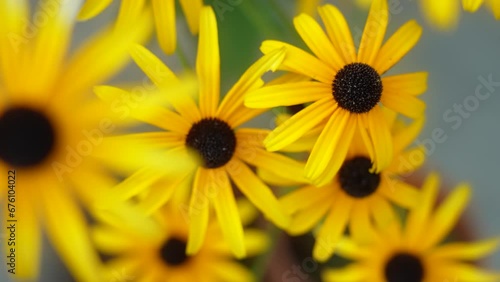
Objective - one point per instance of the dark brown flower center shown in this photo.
(27, 137)
(357, 88)
(404, 267)
(356, 179)
(214, 140)
(173, 252)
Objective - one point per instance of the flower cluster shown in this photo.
(165, 180)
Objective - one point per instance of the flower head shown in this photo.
(413, 252)
(346, 91)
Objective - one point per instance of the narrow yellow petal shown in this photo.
(307, 6)
(407, 105)
(381, 138)
(208, 63)
(288, 94)
(316, 39)
(198, 211)
(227, 212)
(192, 9)
(256, 242)
(304, 197)
(468, 273)
(360, 225)
(73, 241)
(160, 193)
(111, 241)
(417, 220)
(228, 271)
(404, 137)
(92, 8)
(447, 215)
(301, 62)
(130, 11)
(257, 192)
(471, 5)
(350, 273)
(164, 13)
(152, 66)
(332, 229)
(339, 32)
(374, 32)
(467, 251)
(326, 147)
(398, 45)
(399, 192)
(305, 220)
(281, 165)
(299, 124)
(495, 8)
(409, 84)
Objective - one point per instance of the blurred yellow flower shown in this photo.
(412, 252)
(164, 15)
(50, 127)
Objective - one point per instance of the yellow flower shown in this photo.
(444, 14)
(164, 15)
(213, 131)
(50, 128)
(346, 91)
(413, 252)
(154, 249)
(356, 195)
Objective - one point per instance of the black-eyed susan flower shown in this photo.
(50, 128)
(445, 14)
(155, 249)
(347, 88)
(213, 131)
(414, 253)
(164, 15)
(356, 195)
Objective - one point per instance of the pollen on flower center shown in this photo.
(173, 252)
(357, 88)
(404, 267)
(356, 179)
(27, 137)
(214, 140)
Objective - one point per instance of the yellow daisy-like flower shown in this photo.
(346, 89)
(49, 129)
(444, 14)
(212, 130)
(155, 249)
(413, 253)
(164, 14)
(356, 195)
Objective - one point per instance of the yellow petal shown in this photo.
(374, 32)
(405, 136)
(468, 273)
(326, 148)
(192, 10)
(288, 94)
(332, 229)
(198, 211)
(399, 192)
(495, 7)
(409, 84)
(257, 192)
(381, 138)
(471, 5)
(467, 251)
(281, 165)
(208, 63)
(350, 273)
(299, 61)
(400, 43)
(92, 8)
(299, 124)
(308, 218)
(306, 196)
(407, 105)
(315, 38)
(227, 212)
(339, 32)
(447, 215)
